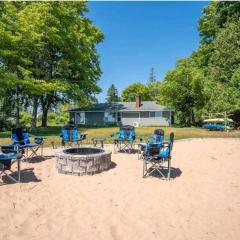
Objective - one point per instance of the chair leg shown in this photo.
(169, 169)
(42, 149)
(9, 176)
(34, 152)
(114, 146)
(144, 168)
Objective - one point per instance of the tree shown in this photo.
(219, 50)
(130, 93)
(183, 89)
(209, 80)
(154, 90)
(224, 69)
(152, 76)
(112, 94)
(49, 48)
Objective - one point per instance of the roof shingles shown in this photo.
(125, 107)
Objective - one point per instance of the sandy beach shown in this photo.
(201, 201)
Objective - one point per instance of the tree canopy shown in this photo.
(130, 93)
(48, 54)
(149, 91)
(208, 80)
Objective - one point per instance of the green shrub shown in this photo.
(25, 119)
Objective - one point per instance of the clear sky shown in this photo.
(142, 35)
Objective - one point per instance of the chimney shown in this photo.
(138, 101)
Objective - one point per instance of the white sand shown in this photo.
(202, 202)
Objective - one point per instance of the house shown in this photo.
(138, 113)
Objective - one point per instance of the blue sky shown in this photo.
(142, 35)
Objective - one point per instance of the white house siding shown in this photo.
(157, 121)
(147, 121)
(144, 120)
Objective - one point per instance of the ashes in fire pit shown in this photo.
(83, 160)
(83, 151)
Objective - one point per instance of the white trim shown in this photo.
(138, 110)
(85, 111)
(152, 110)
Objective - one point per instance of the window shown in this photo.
(80, 117)
(109, 117)
(166, 114)
(130, 114)
(144, 114)
(156, 114)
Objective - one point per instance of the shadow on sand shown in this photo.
(175, 172)
(38, 159)
(27, 175)
(112, 165)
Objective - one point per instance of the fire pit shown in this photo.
(83, 160)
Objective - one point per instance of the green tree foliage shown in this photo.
(154, 89)
(48, 53)
(130, 93)
(148, 92)
(224, 69)
(112, 94)
(183, 89)
(209, 80)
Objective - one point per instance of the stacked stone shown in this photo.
(84, 164)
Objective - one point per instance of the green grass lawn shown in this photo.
(52, 133)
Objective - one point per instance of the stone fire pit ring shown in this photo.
(82, 161)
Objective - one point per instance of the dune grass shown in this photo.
(52, 133)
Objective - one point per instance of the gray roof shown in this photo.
(124, 107)
(145, 106)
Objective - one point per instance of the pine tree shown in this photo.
(112, 94)
(152, 76)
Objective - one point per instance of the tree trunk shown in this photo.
(34, 113)
(193, 118)
(17, 108)
(46, 103)
(44, 117)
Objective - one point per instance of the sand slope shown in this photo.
(201, 202)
